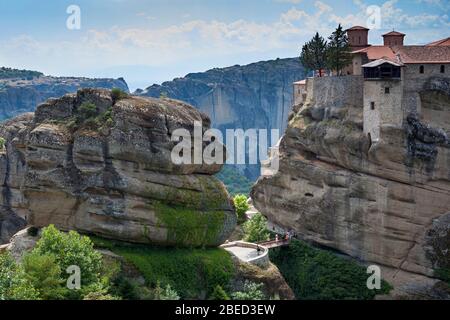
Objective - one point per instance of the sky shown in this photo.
(151, 41)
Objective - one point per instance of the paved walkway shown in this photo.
(244, 254)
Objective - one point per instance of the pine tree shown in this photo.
(314, 54)
(219, 294)
(338, 51)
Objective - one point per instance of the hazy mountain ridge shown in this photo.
(22, 90)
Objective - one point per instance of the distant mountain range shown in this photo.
(22, 90)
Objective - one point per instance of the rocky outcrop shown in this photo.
(101, 164)
(22, 94)
(385, 202)
(258, 95)
(274, 284)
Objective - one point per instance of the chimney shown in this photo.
(394, 38)
(358, 37)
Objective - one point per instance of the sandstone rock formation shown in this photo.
(19, 94)
(101, 164)
(258, 95)
(386, 203)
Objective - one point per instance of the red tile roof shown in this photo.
(394, 33)
(442, 42)
(357, 28)
(378, 52)
(423, 54)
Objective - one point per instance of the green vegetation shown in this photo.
(314, 54)
(13, 283)
(252, 291)
(89, 117)
(315, 274)
(235, 181)
(219, 294)
(189, 226)
(166, 293)
(188, 271)
(42, 274)
(118, 94)
(9, 73)
(241, 205)
(335, 55)
(443, 274)
(255, 229)
(338, 51)
(2, 143)
(71, 249)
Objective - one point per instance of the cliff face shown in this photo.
(257, 95)
(386, 203)
(20, 95)
(102, 165)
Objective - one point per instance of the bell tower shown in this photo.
(358, 37)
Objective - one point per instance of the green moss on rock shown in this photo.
(191, 227)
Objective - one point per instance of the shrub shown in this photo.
(315, 274)
(219, 294)
(252, 291)
(87, 110)
(99, 296)
(443, 274)
(241, 205)
(13, 283)
(255, 229)
(165, 294)
(71, 249)
(118, 94)
(44, 274)
(2, 143)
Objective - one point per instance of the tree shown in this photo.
(13, 283)
(314, 54)
(219, 294)
(241, 205)
(338, 51)
(252, 291)
(71, 249)
(255, 229)
(44, 274)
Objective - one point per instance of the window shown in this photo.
(372, 105)
(442, 69)
(422, 69)
(387, 90)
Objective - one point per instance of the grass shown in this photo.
(315, 274)
(193, 273)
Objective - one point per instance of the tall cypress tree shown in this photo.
(314, 54)
(338, 51)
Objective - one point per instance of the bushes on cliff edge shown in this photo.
(241, 205)
(315, 274)
(255, 229)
